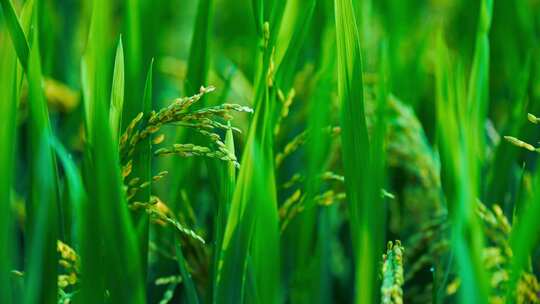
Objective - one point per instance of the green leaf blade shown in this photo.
(9, 93)
(117, 92)
(16, 31)
(358, 162)
(199, 54)
(110, 259)
(42, 207)
(142, 168)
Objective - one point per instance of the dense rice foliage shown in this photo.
(269, 151)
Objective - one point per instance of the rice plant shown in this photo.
(267, 151)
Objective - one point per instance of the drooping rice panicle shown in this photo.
(392, 273)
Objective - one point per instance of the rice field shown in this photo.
(269, 151)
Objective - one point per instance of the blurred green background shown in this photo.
(424, 57)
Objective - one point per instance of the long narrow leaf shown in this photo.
(199, 54)
(359, 163)
(356, 150)
(191, 292)
(117, 93)
(110, 261)
(77, 194)
(232, 267)
(9, 93)
(228, 183)
(142, 169)
(460, 179)
(42, 208)
(134, 69)
(317, 154)
(16, 31)
(478, 91)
